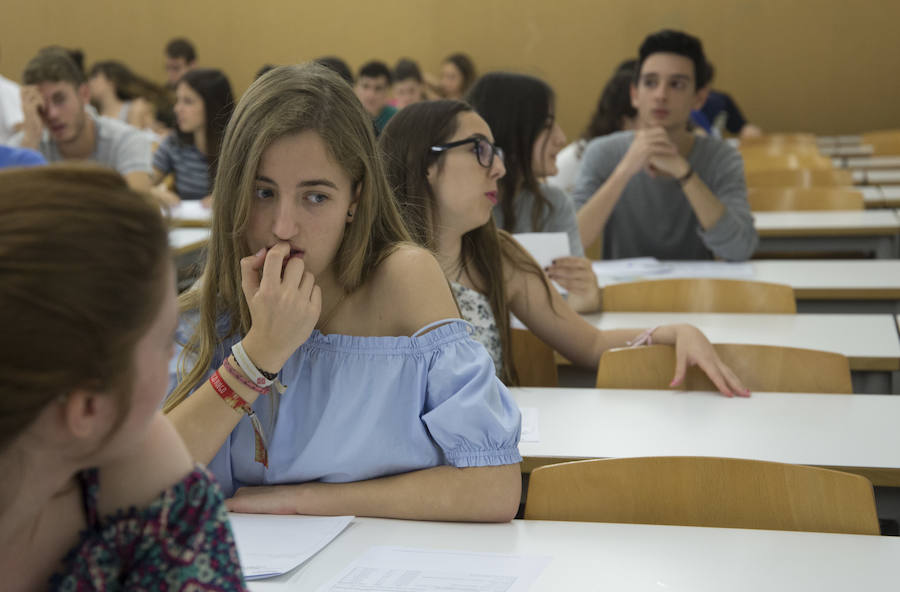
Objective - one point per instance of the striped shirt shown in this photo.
(189, 165)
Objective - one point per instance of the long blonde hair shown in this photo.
(285, 101)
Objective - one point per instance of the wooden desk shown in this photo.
(891, 195)
(870, 342)
(874, 231)
(853, 433)
(630, 557)
(872, 196)
(820, 285)
(846, 140)
(871, 162)
(847, 150)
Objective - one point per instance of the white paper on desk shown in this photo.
(545, 246)
(627, 269)
(398, 569)
(530, 429)
(270, 545)
(711, 269)
(191, 209)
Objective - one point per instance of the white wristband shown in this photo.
(249, 368)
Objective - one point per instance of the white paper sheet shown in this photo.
(545, 246)
(271, 545)
(611, 270)
(530, 428)
(398, 569)
(648, 268)
(191, 209)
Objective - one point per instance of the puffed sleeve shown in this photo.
(468, 411)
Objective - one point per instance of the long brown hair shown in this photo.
(286, 100)
(82, 259)
(405, 145)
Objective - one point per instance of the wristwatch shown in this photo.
(687, 176)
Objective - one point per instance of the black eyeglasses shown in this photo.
(484, 150)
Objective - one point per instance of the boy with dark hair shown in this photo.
(373, 86)
(409, 85)
(662, 191)
(180, 57)
(56, 123)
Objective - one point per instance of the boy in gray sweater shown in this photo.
(662, 191)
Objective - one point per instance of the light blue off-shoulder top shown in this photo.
(358, 408)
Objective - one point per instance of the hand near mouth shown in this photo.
(284, 301)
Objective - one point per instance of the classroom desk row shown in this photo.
(624, 557)
(850, 433)
(820, 285)
(872, 231)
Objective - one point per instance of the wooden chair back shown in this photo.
(699, 295)
(762, 368)
(770, 199)
(703, 491)
(533, 359)
(800, 178)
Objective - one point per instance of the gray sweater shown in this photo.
(561, 218)
(653, 217)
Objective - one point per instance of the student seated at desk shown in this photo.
(520, 110)
(203, 106)
(444, 167)
(662, 191)
(98, 491)
(58, 126)
(313, 287)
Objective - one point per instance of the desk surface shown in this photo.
(827, 223)
(869, 340)
(631, 557)
(811, 279)
(185, 240)
(841, 431)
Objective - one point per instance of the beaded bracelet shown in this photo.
(263, 390)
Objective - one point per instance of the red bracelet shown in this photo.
(263, 390)
(237, 402)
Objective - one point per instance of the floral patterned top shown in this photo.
(476, 309)
(181, 541)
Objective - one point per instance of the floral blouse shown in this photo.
(476, 309)
(181, 541)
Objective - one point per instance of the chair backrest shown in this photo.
(533, 359)
(699, 491)
(768, 199)
(699, 295)
(800, 178)
(762, 368)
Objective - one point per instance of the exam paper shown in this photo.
(191, 209)
(270, 545)
(545, 246)
(398, 569)
(530, 428)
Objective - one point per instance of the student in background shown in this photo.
(443, 164)
(520, 111)
(19, 157)
(724, 115)
(98, 491)
(338, 65)
(409, 86)
(10, 109)
(662, 191)
(373, 88)
(59, 127)
(180, 58)
(457, 76)
(388, 408)
(203, 106)
(614, 113)
(121, 94)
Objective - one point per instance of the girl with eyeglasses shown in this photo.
(324, 367)
(520, 111)
(445, 170)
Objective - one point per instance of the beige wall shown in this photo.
(826, 66)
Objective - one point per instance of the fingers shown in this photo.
(711, 368)
(680, 367)
(734, 383)
(273, 265)
(250, 267)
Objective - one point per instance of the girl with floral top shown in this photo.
(98, 491)
(444, 167)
